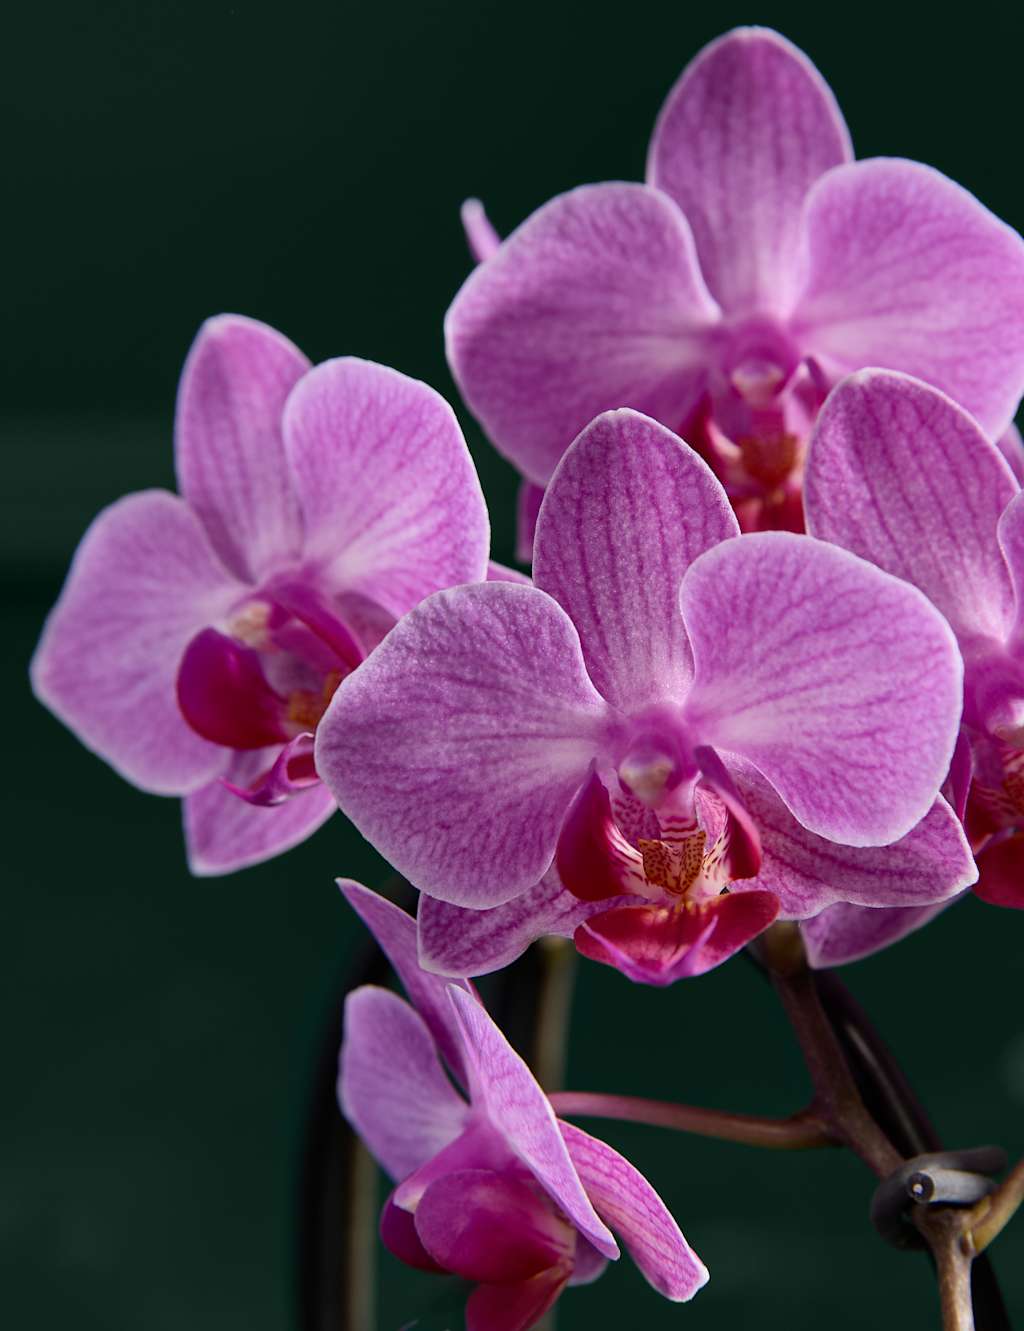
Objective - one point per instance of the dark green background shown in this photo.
(303, 164)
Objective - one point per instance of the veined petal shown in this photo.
(903, 477)
(840, 683)
(228, 450)
(932, 863)
(628, 510)
(845, 932)
(391, 1087)
(906, 270)
(1011, 543)
(505, 1089)
(392, 505)
(395, 931)
(1011, 445)
(490, 1227)
(144, 580)
(744, 134)
(457, 941)
(224, 832)
(595, 302)
(457, 747)
(635, 1211)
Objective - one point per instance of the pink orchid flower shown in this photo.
(672, 708)
(198, 639)
(491, 1186)
(757, 265)
(901, 475)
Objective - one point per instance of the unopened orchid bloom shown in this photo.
(672, 709)
(198, 639)
(491, 1186)
(900, 475)
(757, 265)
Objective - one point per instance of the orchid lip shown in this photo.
(267, 682)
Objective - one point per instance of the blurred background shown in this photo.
(304, 164)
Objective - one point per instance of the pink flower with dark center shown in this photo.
(199, 639)
(757, 265)
(672, 709)
(900, 475)
(491, 1186)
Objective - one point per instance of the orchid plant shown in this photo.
(763, 690)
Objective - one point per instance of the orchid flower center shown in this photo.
(753, 426)
(267, 675)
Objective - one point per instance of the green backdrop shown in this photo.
(304, 164)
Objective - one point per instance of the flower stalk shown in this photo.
(800, 1132)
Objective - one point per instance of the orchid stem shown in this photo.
(800, 1132)
(953, 1270)
(992, 1213)
(947, 1230)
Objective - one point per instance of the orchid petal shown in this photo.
(395, 932)
(933, 862)
(528, 502)
(456, 941)
(741, 841)
(391, 1087)
(902, 476)
(593, 858)
(502, 573)
(490, 1227)
(513, 1307)
(907, 271)
(224, 695)
(505, 1089)
(399, 1236)
(629, 508)
(230, 459)
(457, 747)
(839, 682)
(631, 1206)
(595, 302)
(589, 1265)
(481, 237)
(845, 932)
(1011, 543)
(1011, 445)
(746, 131)
(144, 581)
(1002, 871)
(392, 504)
(661, 944)
(224, 833)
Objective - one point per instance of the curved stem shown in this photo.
(992, 1213)
(800, 1132)
(837, 1098)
